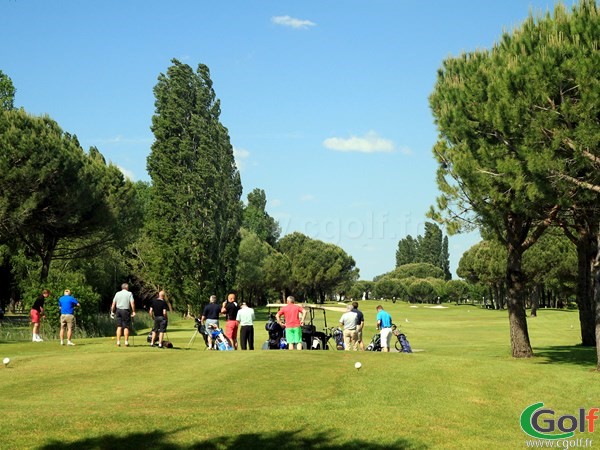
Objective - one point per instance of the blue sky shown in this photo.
(326, 102)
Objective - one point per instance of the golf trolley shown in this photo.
(219, 341)
(401, 345)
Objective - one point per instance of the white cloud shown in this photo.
(240, 155)
(275, 202)
(369, 143)
(127, 173)
(307, 198)
(292, 22)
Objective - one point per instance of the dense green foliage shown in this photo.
(195, 208)
(514, 121)
(550, 269)
(57, 201)
(318, 268)
(257, 220)
(431, 248)
(7, 92)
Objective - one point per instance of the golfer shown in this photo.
(230, 309)
(36, 314)
(294, 319)
(158, 310)
(349, 323)
(67, 304)
(360, 324)
(245, 319)
(210, 318)
(123, 307)
(384, 325)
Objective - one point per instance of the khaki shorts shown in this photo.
(68, 320)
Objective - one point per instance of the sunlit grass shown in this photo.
(460, 389)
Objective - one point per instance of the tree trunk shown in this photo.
(47, 252)
(535, 300)
(517, 317)
(596, 273)
(587, 246)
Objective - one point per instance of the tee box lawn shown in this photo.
(460, 388)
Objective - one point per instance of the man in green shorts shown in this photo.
(294, 319)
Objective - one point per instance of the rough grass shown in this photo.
(461, 390)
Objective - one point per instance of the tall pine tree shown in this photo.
(430, 248)
(196, 208)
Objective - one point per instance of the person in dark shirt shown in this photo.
(210, 318)
(360, 325)
(230, 309)
(158, 310)
(37, 313)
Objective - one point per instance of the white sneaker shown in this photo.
(70, 343)
(39, 338)
(62, 343)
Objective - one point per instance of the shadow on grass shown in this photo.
(574, 354)
(285, 440)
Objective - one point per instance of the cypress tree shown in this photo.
(195, 204)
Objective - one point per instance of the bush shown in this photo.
(86, 316)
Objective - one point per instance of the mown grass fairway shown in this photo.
(463, 390)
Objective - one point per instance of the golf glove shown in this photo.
(112, 315)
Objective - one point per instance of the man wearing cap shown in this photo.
(245, 319)
(384, 325)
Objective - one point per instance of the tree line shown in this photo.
(70, 219)
(518, 150)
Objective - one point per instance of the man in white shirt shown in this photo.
(245, 319)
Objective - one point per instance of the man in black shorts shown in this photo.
(360, 325)
(123, 307)
(158, 310)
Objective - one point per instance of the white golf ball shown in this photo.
(6, 361)
(358, 365)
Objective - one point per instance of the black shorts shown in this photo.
(123, 318)
(160, 324)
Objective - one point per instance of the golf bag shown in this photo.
(220, 342)
(276, 339)
(201, 329)
(338, 336)
(404, 344)
(375, 344)
(165, 344)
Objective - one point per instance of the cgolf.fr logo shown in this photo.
(541, 423)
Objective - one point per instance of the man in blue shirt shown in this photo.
(384, 325)
(67, 305)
